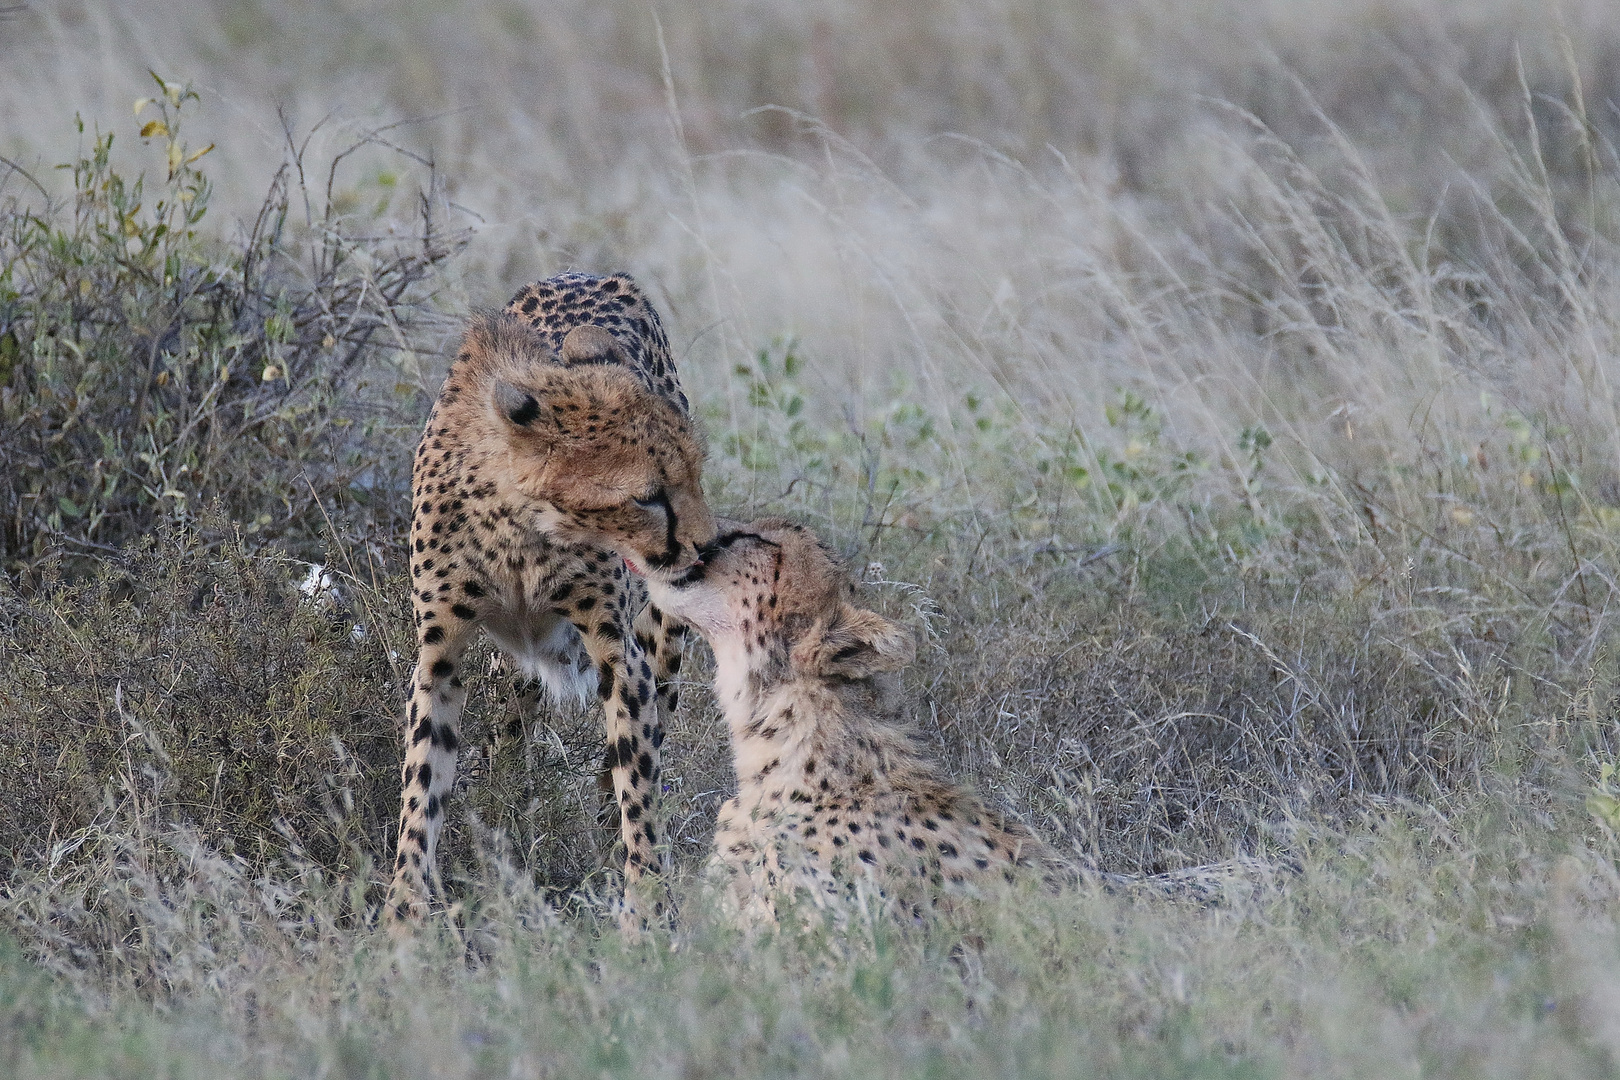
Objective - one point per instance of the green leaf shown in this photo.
(1605, 808)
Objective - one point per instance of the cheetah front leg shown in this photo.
(737, 872)
(661, 636)
(634, 734)
(432, 735)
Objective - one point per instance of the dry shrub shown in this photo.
(1151, 744)
(149, 369)
(192, 682)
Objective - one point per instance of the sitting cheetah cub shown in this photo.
(836, 801)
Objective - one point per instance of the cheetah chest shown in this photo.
(544, 645)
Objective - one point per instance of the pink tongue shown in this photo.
(634, 569)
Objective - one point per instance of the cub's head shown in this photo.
(616, 465)
(771, 590)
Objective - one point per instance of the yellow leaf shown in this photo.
(141, 103)
(175, 154)
(154, 127)
(199, 153)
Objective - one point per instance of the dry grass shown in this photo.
(1226, 395)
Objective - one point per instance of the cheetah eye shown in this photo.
(657, 500)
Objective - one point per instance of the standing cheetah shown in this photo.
(835, 797)
(561, 420)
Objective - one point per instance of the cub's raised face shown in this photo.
(771, 591)
(607, 461)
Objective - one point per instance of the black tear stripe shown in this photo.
(706, 552)
(672, 546)
(725, 540)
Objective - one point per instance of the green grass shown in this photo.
(1249, 465)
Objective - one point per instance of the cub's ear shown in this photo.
(588, 344)
(856, 644)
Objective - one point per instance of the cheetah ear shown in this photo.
(855, 645)
(521, 409)
(588, 344)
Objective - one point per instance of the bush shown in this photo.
(148, 369)
(193, 682)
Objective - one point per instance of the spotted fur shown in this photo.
(561, 421)
(836, 799)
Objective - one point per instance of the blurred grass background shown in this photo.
(1223, 391)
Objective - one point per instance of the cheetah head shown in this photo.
(602, 458)
(773, 592)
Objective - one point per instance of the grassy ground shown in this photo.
(1226, 398)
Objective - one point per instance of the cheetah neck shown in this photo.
(780, 724)
(731, 681)
(758, 709)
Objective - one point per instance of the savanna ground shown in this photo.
(1223, 391)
